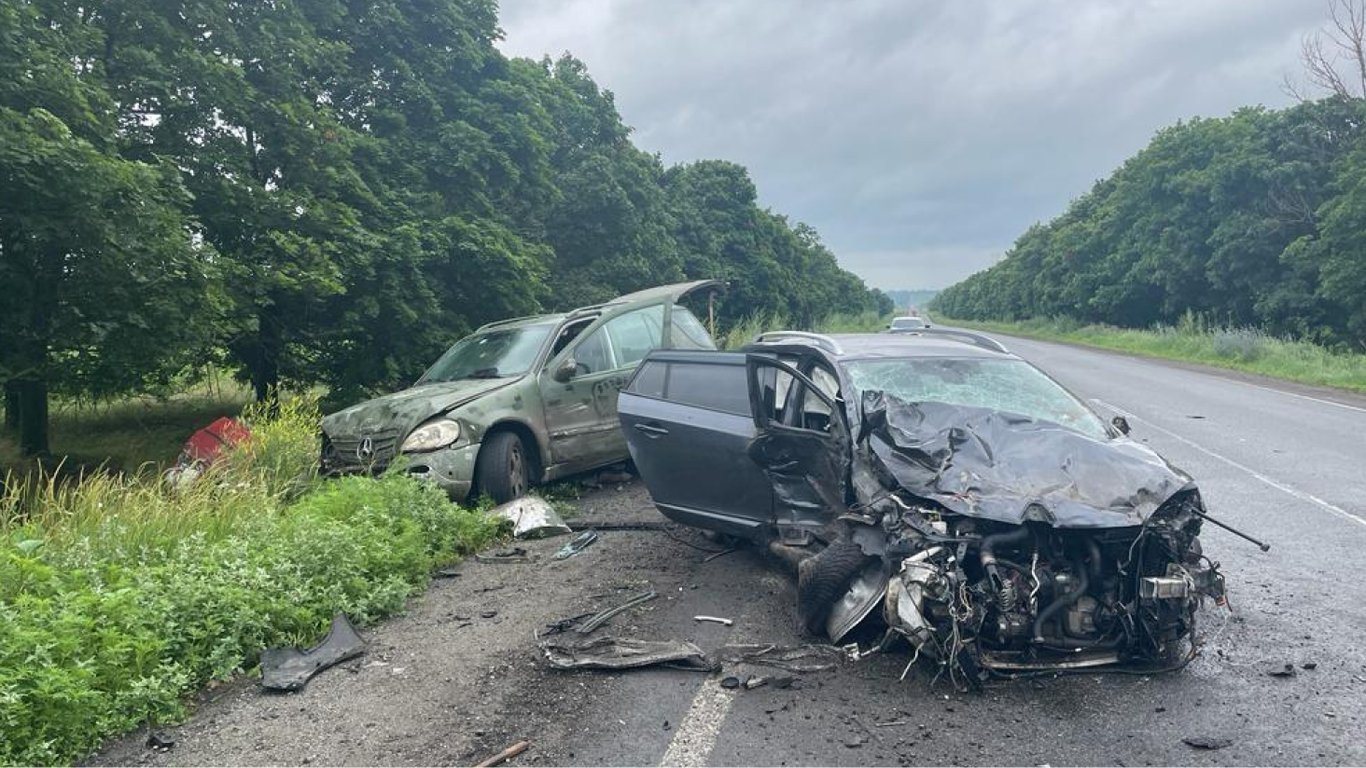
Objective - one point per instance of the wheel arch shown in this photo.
(530, 442)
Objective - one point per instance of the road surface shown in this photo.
(451, 684)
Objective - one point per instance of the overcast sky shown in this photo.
(920, 138)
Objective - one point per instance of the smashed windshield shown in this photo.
(493, 355)
(1013, 386)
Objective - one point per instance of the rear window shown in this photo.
(704, 385)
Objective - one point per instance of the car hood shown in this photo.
(1013, 469)
(402, 411)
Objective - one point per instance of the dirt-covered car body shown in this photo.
(519, 401)
(998, 522)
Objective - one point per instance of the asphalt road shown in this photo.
(448, 684)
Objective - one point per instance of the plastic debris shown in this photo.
(289, 669)
(160, 742)
(532, 517)
(513, 555)
(577, 544)
(714, 620)
(622, 653)
(799, 659)
(1287, 670)
(730, 683)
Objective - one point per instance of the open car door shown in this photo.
(687, 422)
(802, 445)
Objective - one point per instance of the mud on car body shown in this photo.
(984, 512)
(517, 402)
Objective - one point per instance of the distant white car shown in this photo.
(906, 324)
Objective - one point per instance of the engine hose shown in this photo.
(1059, 605)
(1094, 549)
(1005, 590)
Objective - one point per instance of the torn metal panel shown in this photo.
(624, 653)
(289, 669)
(1012, 469)
(532, 518)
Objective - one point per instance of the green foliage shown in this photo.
(1193, 340)
(120, 596)
(1254, 220)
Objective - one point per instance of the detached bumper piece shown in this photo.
(289, 669)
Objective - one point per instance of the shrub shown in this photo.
(120, 596)
(1245, 344)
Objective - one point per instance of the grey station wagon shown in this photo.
(519, 401)
(999, 523)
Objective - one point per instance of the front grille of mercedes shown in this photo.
(340, 455)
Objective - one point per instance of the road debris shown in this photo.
(755, 681)
(722, 553)
(577, 544)
(445, 573)
(730, 683)
(714, 620)
(507, 754)
(1285, 670)
(160, 742)
(289, 669)
(602, 617)
(532, 517)
(798, 659)
(1208, 742)
(512, 555)
(623, 653)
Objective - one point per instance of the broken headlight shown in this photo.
(437, 433)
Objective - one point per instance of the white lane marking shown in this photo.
(696, 735)
(1303, 397)
(1278, 485)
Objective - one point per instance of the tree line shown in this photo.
(331, 191)
(1255, 219)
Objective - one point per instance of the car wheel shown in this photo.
(503, 471)
(823, 578)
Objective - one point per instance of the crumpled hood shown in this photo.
(1000, 466)
(402, 411)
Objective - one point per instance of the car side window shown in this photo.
(635, 333)
(592, 354)
(718, 387)
(687, 331)
(649, 379)
(815, 413)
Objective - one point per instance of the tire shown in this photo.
(504, 470)
(823, 578)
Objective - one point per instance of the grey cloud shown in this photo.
(920, 138)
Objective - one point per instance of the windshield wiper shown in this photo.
(483, 373)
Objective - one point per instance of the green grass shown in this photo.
(121, 594)
(1241, 349)
(126, 433)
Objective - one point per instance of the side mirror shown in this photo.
(1121, 423)
(565, 371)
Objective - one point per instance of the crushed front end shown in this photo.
(981, 597)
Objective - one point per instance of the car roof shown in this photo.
(859, 346)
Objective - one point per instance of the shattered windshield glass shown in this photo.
(493, 355)
(1013, 386)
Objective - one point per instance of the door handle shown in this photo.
(652, 430)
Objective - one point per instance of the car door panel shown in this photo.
(694, 458)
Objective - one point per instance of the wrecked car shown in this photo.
(518, 402)
(985, 513)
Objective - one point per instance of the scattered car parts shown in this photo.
(532, 517)
(624, 653)
(289, 669)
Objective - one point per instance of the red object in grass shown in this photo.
(205, 445)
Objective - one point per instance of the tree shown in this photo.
(100, 266)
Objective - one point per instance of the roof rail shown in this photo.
(820, 339)
(975, 339)
(497, 323)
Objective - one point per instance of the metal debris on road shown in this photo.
(625, 653)
(798, 659)
(714, 620)
(722, 553)
(507, 754)
(160, 742)
(730, 683)
(602, 617)
(1207, 742)
(532, 517)
(288, 669)
(445, 573)
(513, 555)
(754, 681)
(577, 544)
(1286, 670)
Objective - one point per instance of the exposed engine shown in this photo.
(984, 597)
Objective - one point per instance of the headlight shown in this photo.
(437, 433)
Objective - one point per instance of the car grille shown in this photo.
(341, 454)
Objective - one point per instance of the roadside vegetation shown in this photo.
(744, 331)
(121, 594)
(1241, 349)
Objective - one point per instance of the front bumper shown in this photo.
(452, 469)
